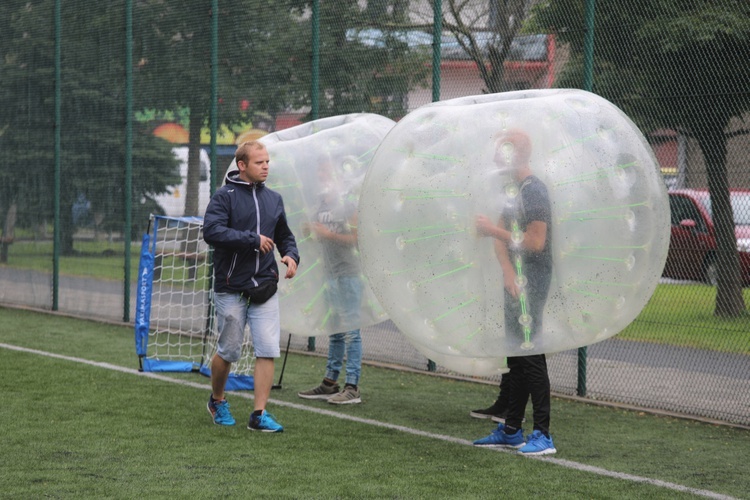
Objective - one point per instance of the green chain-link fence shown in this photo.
(114, 110)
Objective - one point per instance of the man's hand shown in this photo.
(510, 283)
(321, 231)
(484, 226)
(291, 266)
(266, 244)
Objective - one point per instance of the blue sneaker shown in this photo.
(219, 411)
(499, 438)
(538, 444)
(264, 423)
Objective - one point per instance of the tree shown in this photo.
(678, 65)
(484, 29)
(259, 43)
(371, 73)
(487, 35)
(92, 123)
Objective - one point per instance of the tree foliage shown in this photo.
(257, 46)
(674, 64)
(264, 58)
(92, 116)
(362, 74)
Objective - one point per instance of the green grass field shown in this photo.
(95, 259)
(99, 429)
(683, 315)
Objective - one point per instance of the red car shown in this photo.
(692, 246)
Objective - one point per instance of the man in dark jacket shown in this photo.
(244, 222)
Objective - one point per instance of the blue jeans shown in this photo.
(344, 296)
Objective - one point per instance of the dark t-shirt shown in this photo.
(531, 204)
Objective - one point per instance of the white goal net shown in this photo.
(174, 321)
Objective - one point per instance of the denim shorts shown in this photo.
(232, 315)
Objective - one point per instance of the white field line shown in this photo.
(557, 461)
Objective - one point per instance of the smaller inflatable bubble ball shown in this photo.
(318, 168)
(439, 273)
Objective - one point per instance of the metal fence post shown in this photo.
(58, 157)
(588, 83)
(128, 155)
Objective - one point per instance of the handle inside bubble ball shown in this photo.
(527, 344)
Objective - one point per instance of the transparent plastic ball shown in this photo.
(477, 367)
(318, 168)
(443, 165)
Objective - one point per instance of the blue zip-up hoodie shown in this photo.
(236, 215)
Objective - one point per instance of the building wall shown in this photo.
(682, 157)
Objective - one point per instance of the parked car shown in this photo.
(692, 245)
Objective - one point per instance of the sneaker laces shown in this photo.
(265, 415)
(497, 432)
(534, 436)
(222, 409)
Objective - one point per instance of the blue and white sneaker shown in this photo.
(264, 423)
(219, 411)
(499, 438)
(538, 444)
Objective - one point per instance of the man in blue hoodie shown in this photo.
(244, 222)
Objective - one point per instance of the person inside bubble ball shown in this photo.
(335, 227)
(522, 245)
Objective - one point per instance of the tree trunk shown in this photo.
(505, 20)
(194, 162)
(192, 234)
(9, 232)
(67, 228)
(729, 300)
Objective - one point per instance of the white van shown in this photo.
(173, 202)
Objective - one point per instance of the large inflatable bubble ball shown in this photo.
(449, 164)
(318, 168)
(483, 366)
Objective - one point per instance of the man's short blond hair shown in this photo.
(242, 154)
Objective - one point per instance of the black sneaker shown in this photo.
(494, 412)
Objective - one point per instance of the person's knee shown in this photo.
(230, 353)
(219, 359)
(353, 336)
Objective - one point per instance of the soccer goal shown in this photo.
(174, 319)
